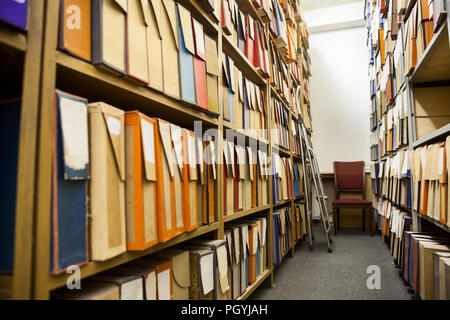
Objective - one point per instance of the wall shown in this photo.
(339, 84)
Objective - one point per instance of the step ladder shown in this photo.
(308, 157)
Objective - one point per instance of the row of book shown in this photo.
(246, 176)
(429, 171)
(247, 34)
(199, 269)
(243, 101)
(280, 123)
(392, 179)
(120, 181)
(286, 178)
(156, 44)
(423, 257)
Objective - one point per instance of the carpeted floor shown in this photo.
(342, 274)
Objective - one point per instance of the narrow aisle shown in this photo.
(338, 275)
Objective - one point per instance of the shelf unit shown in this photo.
(46, 69)
(432, 69)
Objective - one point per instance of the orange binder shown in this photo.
(190, 178)
(201, 90)
(140, 183)
(168, 181)
(75, 28)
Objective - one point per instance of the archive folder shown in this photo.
(154, 45)
(147, 275)
(14, 13)
(70, 172)
(201, 273)
(140, 184)
(130, 286)
(220, 265)
(109, 34)
(75, 28)
(170, 46)
(169, 176)
(186, 54)
(163, 268)
(9, 130)
(107, 183)
(201, 90)
(181, 271)
(212, 77)
(190, 180)
(137, 56)
(209, 189)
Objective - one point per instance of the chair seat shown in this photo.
(352, 201)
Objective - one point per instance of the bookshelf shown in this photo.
(432, 69)
(46, 69)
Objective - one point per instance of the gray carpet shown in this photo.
(339, 275)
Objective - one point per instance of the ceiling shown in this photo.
(318, 4)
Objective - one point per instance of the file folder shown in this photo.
(210, 179)
(245, 257)
(221, 281)
(190, 180)
(75, 28)
(170, 47)
(180, 271)
(200, 65)
(107, 181)
(137, 56)
(169, 176)
(213, 72)
(109, 34)
(9, 130)
(154, 45)
(130, 286)
(164, 271)
(15, 13)
(202, 273)
(147, 275)
(140, 184)
(70, 172)
(186, 55)
(226, 18)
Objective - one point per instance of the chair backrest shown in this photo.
(349, 177)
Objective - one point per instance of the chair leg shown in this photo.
(364, 220)
(338, 219)
(335, 221)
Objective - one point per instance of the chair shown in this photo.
(349, 177)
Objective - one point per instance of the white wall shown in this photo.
(339, 87)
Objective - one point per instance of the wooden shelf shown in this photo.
(245, 213)
(433, 221)
(241, 61)
(93, 268)
(197, 12)
(82, 78)
(434, 65)
(254, 286)
(282, 203)
(281, 99)
(281, 150)
(246, 6)
(12, 39)
(435, 136)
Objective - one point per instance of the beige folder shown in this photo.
(426, 251)
(229, 158)
(130, 287)
(109, 35)
(444, 278)
(180, 271)
(137, 26)
(88, 291)
(154, 44)
(212, 74)
(107, 183)
(170, 49)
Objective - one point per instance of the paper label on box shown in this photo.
(164, 285)
(207, 273)
(441, 162)
(74, 126)
(114, 126)
(148, 141)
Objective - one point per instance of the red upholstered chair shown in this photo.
(349, 178)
